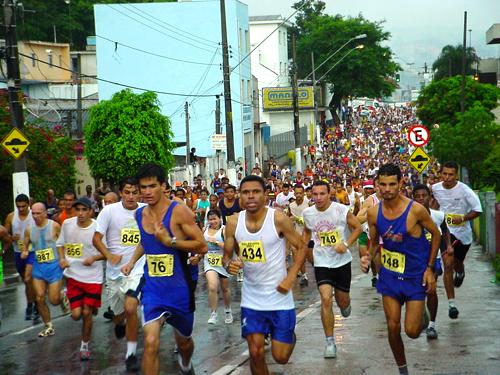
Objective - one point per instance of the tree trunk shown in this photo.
(333, 107)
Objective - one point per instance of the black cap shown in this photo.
(84, 201)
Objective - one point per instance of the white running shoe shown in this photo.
(213, 318)
(228, 317)
(330, 350)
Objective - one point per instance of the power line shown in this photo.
(116, 43)
(118, 83)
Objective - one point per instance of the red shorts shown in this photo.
(80, 294)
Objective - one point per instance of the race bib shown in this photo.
(252, 251)
(160, 265)
(20, 244)
(299, 220)
(130, 236)
(428, 236)
(214, 260)
(74, 250)
(393, 261)
(449, 220)
(45, 255)
(331, 238)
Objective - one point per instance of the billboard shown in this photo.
(281, 99)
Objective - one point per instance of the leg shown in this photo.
(327, 317)
(76, 313)
(186, 348)
(432, 305)
(87, 323)
(226, 292)
(55, 293)
(150, 360)
(258, 364)
(392, 310)
(413, 318)
(28, 283)
(212, 286)
(40, 287)
(131, 317)
(448, 262)
(342, 298)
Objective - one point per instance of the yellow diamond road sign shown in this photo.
(15, 143)
(419, 159)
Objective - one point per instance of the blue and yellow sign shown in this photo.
(281, 98)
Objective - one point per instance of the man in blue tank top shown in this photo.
(168, 232)
(407, 271)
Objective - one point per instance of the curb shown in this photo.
(9, 282)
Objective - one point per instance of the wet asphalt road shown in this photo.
(468, 345)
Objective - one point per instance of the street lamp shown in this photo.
(361, 46)
(357, 37)
(68, 3)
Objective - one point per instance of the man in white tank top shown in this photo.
(260, 234)
(326, 223)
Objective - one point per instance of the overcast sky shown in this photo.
(419, 28)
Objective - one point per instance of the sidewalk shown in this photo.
(467, 345)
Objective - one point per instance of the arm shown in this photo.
(285, 227)
(5, 239)
(446, 234)
(232, 266)
(99, 245)
(63, 262)
(8, 227)
(26, 242)
(361, 216)
(425, 220)
(367, 256)
(355, 228)
(139, 251)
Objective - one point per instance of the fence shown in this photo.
(486, 226)
(280, 144)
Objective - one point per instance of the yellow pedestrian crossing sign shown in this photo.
(15, 143)
(419, 159)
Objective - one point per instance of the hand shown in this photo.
(340, 248)
(88, 261)
(234, 266)
(63, 263)
(16, 237)
(429, 280)
(194, 260)
(364, 263)
(114, 259)
(24, 254)
(126, 269)
(161, 234)
(285, 286)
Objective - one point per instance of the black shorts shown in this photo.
(460, 250)
(339, 278)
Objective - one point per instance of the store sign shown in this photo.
(281, 98)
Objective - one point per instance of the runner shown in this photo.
(229, 205)
(200, 206)
(460, 205)
(165, 227)
(407, 271)
(47, 274)
(422, 195)
(295, 211)
(117, 224)
(214, 272)
(326, 224)
(82, 267)
(260, 233)
(69, 199)
(16, 224)
(283, 198)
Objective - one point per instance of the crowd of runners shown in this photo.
(144, 246)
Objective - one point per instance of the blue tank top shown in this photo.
(44, 244)
(167, 278)
(402, 254)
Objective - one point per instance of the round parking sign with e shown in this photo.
(418, 135)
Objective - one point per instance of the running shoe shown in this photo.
(228, 319)
(84, 355)
(131, 363)
(35, 315)
(189, 371)
(425, 319)
(374, 281)
(330, 350)
(213, 318)
(459, 279)
(267, 340)
(346, 312)
(453, 312)
(304, 280)
(47, 331)
(120, 331)
(28, 315)
(431, 333)
(109, 314)
(239, 277)
(64, 302)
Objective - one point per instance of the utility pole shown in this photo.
(20, 176)
(316, 121)
(79, 119)
(462, 98)
(295, 96)
(217, 125)
(186, 115)
(231, 168)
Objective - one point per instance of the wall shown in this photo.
(39, 71)
(187, 31)
(281, 122)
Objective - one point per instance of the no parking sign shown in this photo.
(418, 135)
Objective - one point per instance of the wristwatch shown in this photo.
(173, 242)
(432, 267)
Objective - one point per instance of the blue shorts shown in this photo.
(48, 272)
(182, 321)
(400, 288)
(279, 323)
(22, 263)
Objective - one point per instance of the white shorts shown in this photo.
(117, 289)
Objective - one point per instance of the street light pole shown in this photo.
(361, 46)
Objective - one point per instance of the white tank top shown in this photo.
(265, 265)
(19, 227)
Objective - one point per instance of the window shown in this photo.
(247, 41)
(33, 59)
(50, 60)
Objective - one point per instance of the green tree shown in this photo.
(50, 161)
(125, 132)
(73, 19)
(469, 142)
(362, 72)
(490, 173)
(449, 62)
(439, 102)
